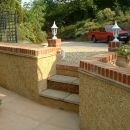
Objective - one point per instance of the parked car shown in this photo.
(106, 34)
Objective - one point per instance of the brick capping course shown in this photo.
(98, 65)
(28, 49)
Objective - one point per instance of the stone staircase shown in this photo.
(64, 86)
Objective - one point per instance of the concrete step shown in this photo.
(64, 83)
(61, 95)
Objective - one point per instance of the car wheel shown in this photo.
(109, 39)
(94, 39)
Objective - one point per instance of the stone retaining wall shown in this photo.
(24, 69)
(104, 94)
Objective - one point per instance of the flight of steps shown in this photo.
(64, 86)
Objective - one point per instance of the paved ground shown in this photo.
(76, 51)
(19, 113)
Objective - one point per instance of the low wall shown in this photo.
(104, 94)
(24, 68)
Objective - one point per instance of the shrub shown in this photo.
(41, 36)
(91, 26)
(124, 50)
(27, 32)
(105, 14)
(68, 33)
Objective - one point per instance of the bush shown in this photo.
(91, 26)
(41, 36)
(124, 50)
(27, 32)
(82, 37)
(67, 33)
(105, 14)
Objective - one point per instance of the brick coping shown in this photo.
(31, 50)
(97, 65)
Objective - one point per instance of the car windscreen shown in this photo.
(109, 28)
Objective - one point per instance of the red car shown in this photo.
(106, 34)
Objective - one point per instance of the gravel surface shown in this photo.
(76, 51)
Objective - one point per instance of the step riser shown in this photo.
(59, 104)
(68, 73)
(67, 70)
(71, 88)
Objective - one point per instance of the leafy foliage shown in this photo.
(27, 32)
(7, 4)
(124, 50)
(12, 5)
(105, 14)
(67, 13)
(33, 20)
(67, 33)
(74, 18)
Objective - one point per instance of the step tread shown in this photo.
(76, 82)
(64, 79)
(72, 98)
(56, 94)
(60, 95)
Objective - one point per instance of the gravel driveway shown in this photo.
(76, 51)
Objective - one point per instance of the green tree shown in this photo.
(33, 21)
(7, 5)
(66, 13)
(105, 15)
(12, 5)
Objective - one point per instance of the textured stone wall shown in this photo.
(103, 106)
(18, 74)
(25, 75)
(24, 69)
(46, 68)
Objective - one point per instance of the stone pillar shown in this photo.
(112, 46)
(54, 42)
